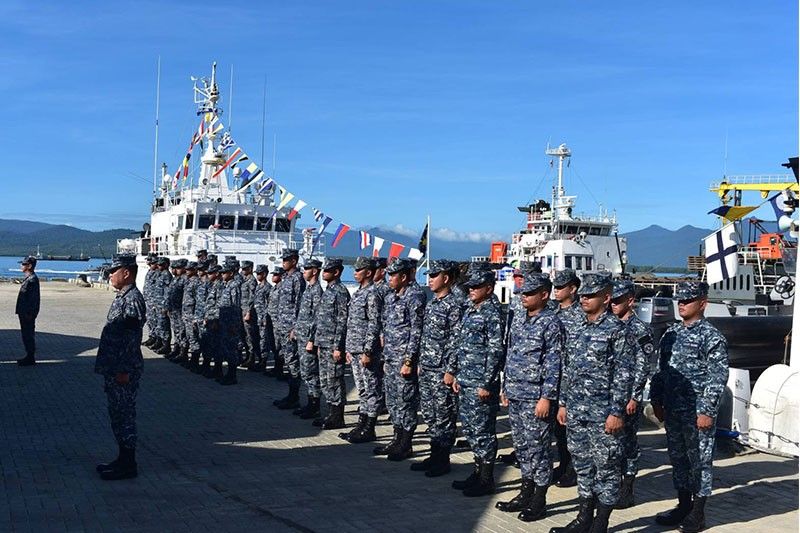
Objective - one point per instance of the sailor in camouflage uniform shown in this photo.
(685, 393)
(363, 350)
(272, 319)
(379, 278)
(230, 318)
(249, 318)
(530, 389)
(437, 356)
(161, 287)
(174, 301)
(148, 292)
(302, 332)
(289, 292)
(328, 337)
(403, 313)
(481, 356)
(566, 305)
(641, 349)
(119, 361)
(595, 391)
(198, 344)
(188, 302)
(211, 325)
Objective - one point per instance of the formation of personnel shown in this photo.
(572, 369)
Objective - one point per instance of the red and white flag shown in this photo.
(376, 247)
(365, 240)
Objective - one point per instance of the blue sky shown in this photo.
(385, 111)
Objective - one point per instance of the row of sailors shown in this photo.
(574, 367)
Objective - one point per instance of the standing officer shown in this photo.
(249, 318)
(202, 256)
(302, 332)
(594, 394)
(119, 361)
(530, 390)
(328, 338)
(174, 303)
(288, 292)
(567, 307)
(477, 371)
(379, 277)
(188, 303)
(261, 304)
(641, 349)
(363, 350)
(200, 297)
(685, 393)
(403, 313)
(230, 322)
(437, 355)
(160, 295)
(211, 325)
(150, 279)
(27, 309)
(272, 315)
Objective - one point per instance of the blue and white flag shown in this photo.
(266, 186)
(721, 260)
(317, 214)
(226, 142)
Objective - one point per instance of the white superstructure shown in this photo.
(210, 209)
(558, 238)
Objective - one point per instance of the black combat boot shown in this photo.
(259, 365)
(206, 369)
(386, 449)
(537, 506)
(485, 483)
(277, 370)
(124, 469)
(367, 433)
(166, 348)
(311, 410)
(425, 464)
(156, 345)
(217, 372)
(183, 358)
(521, 500)
(175, 353)
(675, 516)
(230, 376)
(247, 361)
(695, 521)
(291, 400)
(110, 465)
(471, 480)
(625, 493)
(194, 363)
(345, 435)
(149, 342)
(403, 450)
(441, 465)
(583, 522)
(335, 418)
(569, 479)
(600, 522)
(28, 360)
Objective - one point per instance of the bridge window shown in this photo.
(226, 221)
(264, 224)
(282, 225)
(568, 261)
(206, 221)
(246, 223)
(588, 262)
(594, 231)
(189, 222)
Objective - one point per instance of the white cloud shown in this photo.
(447, 234)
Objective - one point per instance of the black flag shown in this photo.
(423, 241)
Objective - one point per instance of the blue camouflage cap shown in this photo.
(332, 263)
(622, 287)
(313, 263)
(191, 265)
(364, 262)
(565, 277)
(527, 267)
(180, 263)
(381, 262)
(163, 261)
(533, 282)
(440, 265)
(262, 269)
(288, 253)
(689, 290)
(594, 283)
(120, 261)
(201, 252)
(278, 270)
(247, 264)
(400, 265)
(214, 269)
(478, 278)
(203, 265)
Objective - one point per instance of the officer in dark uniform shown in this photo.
(119, 361)
(28, 301)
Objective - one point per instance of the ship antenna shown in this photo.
(263, 119)
(274, 150)
(155, 148)
(230, 105)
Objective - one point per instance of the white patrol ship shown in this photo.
(210, 209)
(557, 238)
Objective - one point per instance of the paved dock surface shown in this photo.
(215, 458)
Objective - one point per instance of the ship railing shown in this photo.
(754, 179)
(583, 217)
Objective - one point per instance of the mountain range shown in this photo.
(654, 245)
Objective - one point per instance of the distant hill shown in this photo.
(349, 245)
(659, 246)
(21, 237)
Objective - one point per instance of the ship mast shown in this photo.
(562, 204)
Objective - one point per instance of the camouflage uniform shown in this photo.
(148, 293)
(200, 298)
(692, 374)
(213, 333)
(480, 357)
(363, 337)
(303, 332)
(532, 372)
(402, 332)
(272, 314)
(187, 312)
(248, 288)
(261, 297)
(288, 293)
(597, 380)
(161, 303)
(328, 335)
(230, 319)
(174, 300)
(437, 356)
(119, 352)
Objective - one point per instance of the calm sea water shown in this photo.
(10, 268)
